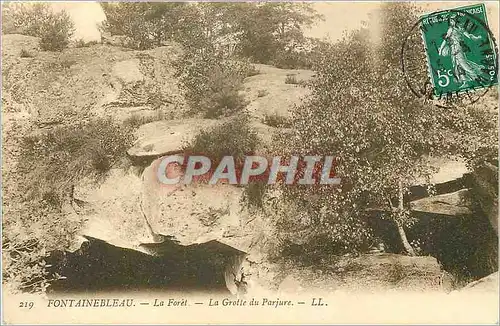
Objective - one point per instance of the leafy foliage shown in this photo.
(146, 24)
(39, 186)
(212, 85)
(271, 33)
(234, 137)
(387, 150)
(58, 159)
(55, 29)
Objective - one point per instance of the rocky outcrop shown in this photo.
(484, 188)
(488, 284)
(367, 273)
(452, 204)
(137, 212)
(103, 79)
(169, 137)
(269, 94)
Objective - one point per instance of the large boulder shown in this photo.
(139, 213)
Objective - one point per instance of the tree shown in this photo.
(265, 33)
(362, 111)
(146, 24)
(271, 31)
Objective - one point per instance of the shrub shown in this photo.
(135, 120)
(211, 85)
(56, 32)
(276, 120)
(56, 160)
(54, 28)
(30, 232)
(145, 24)
(26, 54)
(291, 79)
(47, 166)
(233, 138)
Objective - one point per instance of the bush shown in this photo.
(26, 54)
(276, 120)
(211, 84)
(37, 186)
(145, 24)
(54, 29)
(135, 120)
(56, 160)
(233, 138)
(56, 32)
(291, 79)
(30, 232)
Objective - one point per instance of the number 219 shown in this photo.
(26, 304)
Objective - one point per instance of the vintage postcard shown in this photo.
(250, 162)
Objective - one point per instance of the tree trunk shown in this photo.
(401, 230)
(404, 240)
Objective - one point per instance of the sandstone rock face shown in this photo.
(367, 273)
(170, 136)
(167, 136)
(128, 71)
(455, 204)
(98, 79)
(485, 191)
(488, 284)
(128, 211)
(269, 94)
(198, 213)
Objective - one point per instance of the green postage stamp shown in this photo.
(461, 53)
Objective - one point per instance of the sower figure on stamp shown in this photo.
(452, 45)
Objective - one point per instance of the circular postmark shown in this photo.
(450, 57)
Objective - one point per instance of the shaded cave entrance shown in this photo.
(168, 266)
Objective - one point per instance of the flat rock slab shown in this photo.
(167, 136)
(488, 284)
(128, 71)
(269, 94)
(366, 273)
(457, 203)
